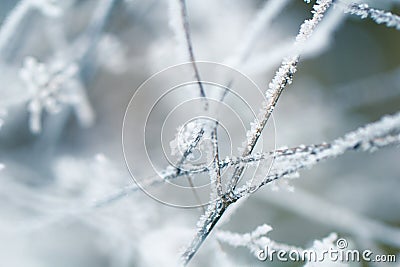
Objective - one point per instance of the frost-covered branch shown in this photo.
(282, 78)
(371, 137)
(215, 173)
(206, 223)
(379, 16)
(317, 44)
(368, 138)
(257, 242)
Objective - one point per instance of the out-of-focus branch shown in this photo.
(10, 25)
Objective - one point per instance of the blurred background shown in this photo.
(65, 191)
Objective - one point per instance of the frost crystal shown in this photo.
(284, 75)
(47, 88)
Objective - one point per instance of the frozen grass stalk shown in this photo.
(282, 78)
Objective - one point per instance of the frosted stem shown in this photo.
(283, 77)
(216, 170)
(379, 16)
(368, 138)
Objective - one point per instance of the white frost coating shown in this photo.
(168, 172)
(317, 44)
(285, 73)
(254, 241)
(320, 246)
(257, 241)
(287, 161)
(379, 16)
(187, 135)
(368, 138)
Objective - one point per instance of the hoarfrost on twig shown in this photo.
(379, 16)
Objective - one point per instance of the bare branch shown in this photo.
(186, 28)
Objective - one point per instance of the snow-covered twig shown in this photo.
(282, 78)
(368, 138)
(260, 244)
(255, 241)
(215, 173)
(379, 16)
(316, 45)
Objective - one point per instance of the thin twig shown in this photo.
(379, 16)
(186, 28)
(216, 165)
(373, 136)
(283, 77)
